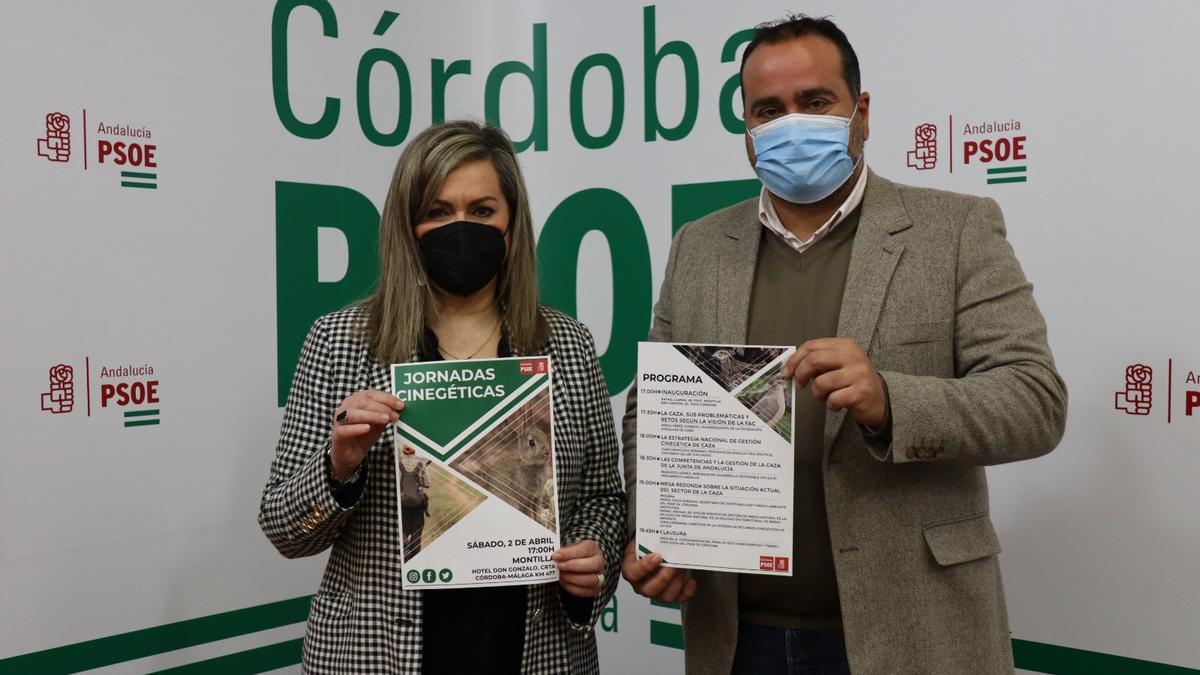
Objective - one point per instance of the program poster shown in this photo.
(475, 479)
(715, 457)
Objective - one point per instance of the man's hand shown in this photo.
(842, 376)
(649, 578)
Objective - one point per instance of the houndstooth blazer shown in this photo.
(360, 620)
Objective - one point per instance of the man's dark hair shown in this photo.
(795, 26)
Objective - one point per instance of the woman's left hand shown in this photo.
(581, 568)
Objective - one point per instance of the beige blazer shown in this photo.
(937, 299)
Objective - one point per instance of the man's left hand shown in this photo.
(842, 376)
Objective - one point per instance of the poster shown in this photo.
(475, 478)
(715, 458)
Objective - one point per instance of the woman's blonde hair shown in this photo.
(403, 304)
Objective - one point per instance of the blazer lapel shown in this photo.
(737, 256)
(873, 259)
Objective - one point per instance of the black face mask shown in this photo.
(462, 257)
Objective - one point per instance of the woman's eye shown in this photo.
(434, 214)
(484, 211)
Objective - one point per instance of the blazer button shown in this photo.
(912, 453)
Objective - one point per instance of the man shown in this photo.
(924, 357)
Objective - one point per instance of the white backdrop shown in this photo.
(125, 521)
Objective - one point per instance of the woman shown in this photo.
(457, 280)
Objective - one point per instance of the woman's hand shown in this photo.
(580, 568)
(357, 424)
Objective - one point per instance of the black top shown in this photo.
(472, 630)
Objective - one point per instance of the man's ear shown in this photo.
(864, 112)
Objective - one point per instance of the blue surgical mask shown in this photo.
(803, 158)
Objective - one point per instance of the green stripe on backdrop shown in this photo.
(140, 413)
(260, 660)
(1014, 179)
(160, 639)
(1006, 169)
(666, 634)
(138, 174)
(1033, 656)
(1040, 657)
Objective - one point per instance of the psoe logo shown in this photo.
(113, 147)
(923, 156)
(537, 367)
(997, 149)
(61, 397)
(56, 144)
(1138, 397)
(133, 391)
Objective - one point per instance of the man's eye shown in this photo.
(817, 104)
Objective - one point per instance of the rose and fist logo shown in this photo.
(56, 146)
(923, 156)
(61, 397)
(1138, 396)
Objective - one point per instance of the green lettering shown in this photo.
(578, 126)
(279, 69)
(539, 133)
(691, 201)
(403, 113)
(691, 75)
(300, 209)
(440, 76)
(729, 119)
(613, 216)
(608, 616)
